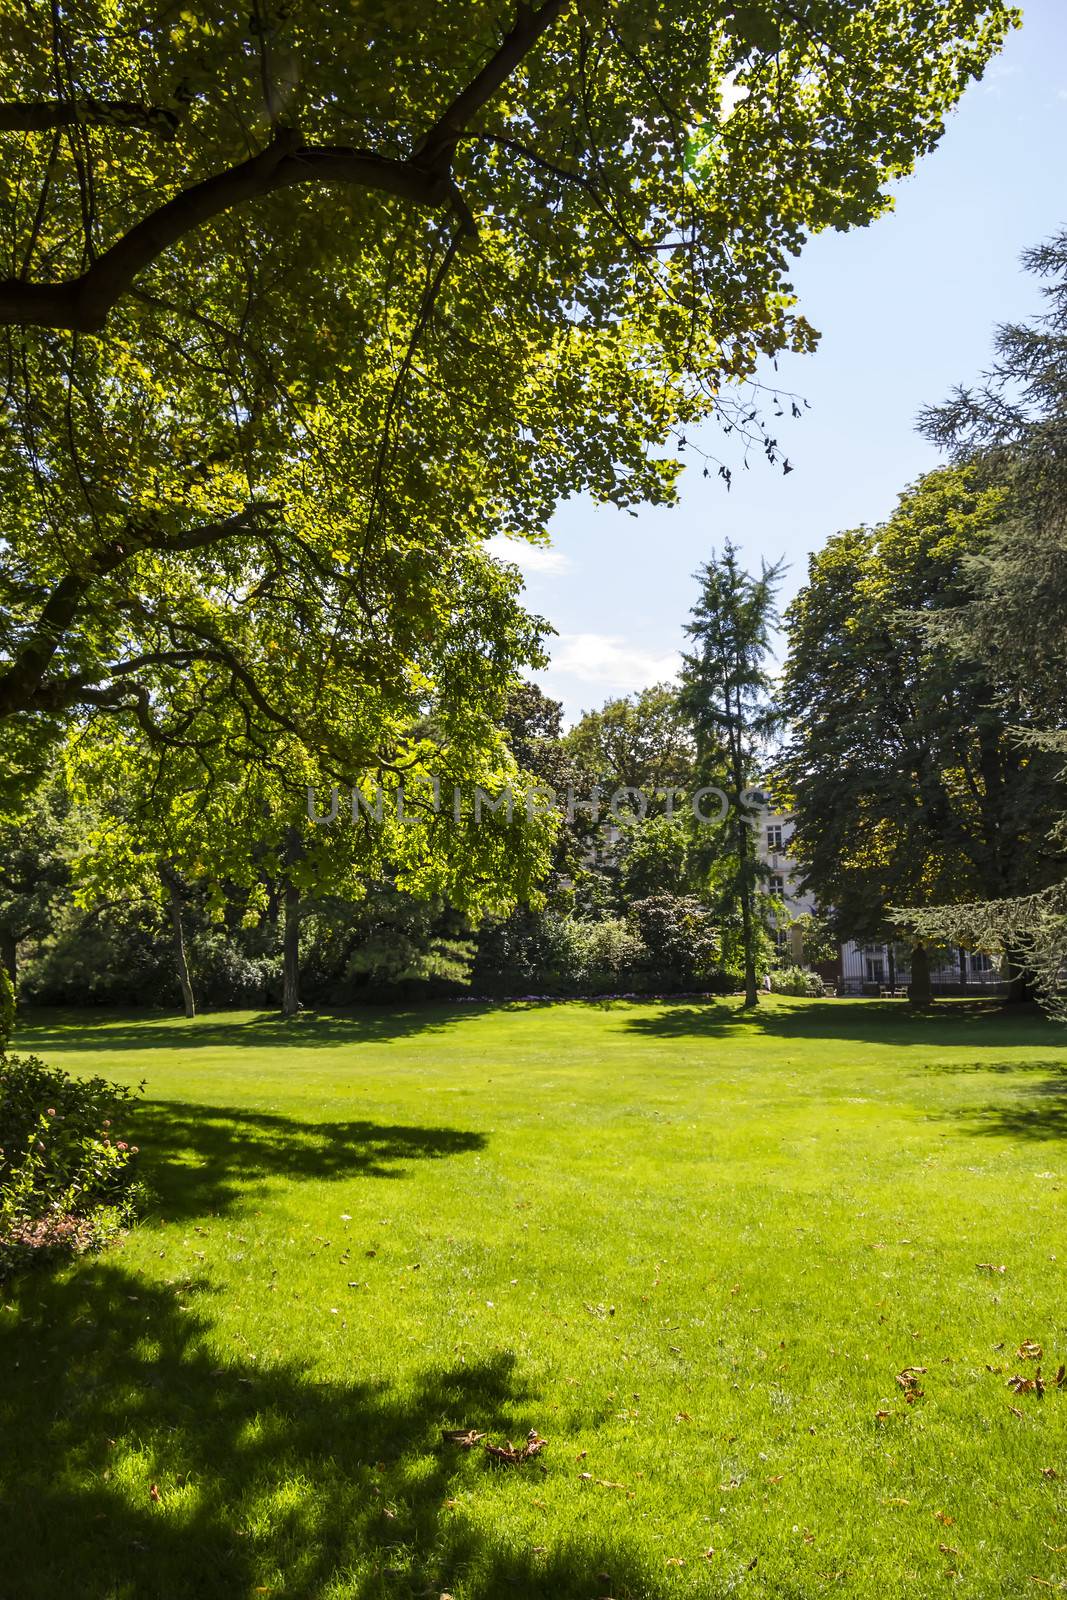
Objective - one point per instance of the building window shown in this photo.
(781, 941)
(774, 837)
(776, 885)
(875, 970)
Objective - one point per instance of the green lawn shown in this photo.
(692, 1250)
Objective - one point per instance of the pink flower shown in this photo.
(122, 1145)
(51, 1111)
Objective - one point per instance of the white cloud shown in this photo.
(537, 558)
(610, 661)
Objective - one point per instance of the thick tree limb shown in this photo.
(82, 304)
(42, 116)
(24, 686)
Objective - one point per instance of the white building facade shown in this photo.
(860, 969)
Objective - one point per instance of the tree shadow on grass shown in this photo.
(42, 1031)
(137, 1463)
(204, 1158)
(890, 1022)
(1036, 1111)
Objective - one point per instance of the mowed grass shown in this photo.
(692, 1249)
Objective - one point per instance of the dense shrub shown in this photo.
(668, 944)
(66, 1179)
(115, 956)
(795, 980)
(609, 957)
(224, 975)
(680, 938)
(7, 1008)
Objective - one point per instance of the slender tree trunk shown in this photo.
(744, 868)
(892, 967)
(9, 958)
(173, 887)
(291, 952)
(919, 991)
(748, 929)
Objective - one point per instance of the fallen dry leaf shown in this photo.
(508, 1455)
(909, 1382)
(1029, 1351)
(1034, 1385)
(466, 1438)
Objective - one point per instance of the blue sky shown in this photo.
(906, 308)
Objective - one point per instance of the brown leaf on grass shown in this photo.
(909, 1382)
(987, 1266)
(1016, 1412)
(1049, 1472)
(153, 1493)
(948, 1549)
(880, 1416)
(1061, 1375)
(466, 1438)
(1034, 1385)
(1029, 1351)
(945, 1520)
(508, 1455)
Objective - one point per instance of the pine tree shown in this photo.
(726, 697)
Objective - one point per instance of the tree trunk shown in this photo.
(1020, 989)
(919, 991)
(173, 888)
(891, 950)
(748, 929)
(9, 958)
(291, 952)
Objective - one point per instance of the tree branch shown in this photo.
(82, 304)
(23, 686)
(41, 116)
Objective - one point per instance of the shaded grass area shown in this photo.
(691, 1248)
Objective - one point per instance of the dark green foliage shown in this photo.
(66, 1175)
(7, 1008)
(904, 767)
(680, 938)
(726, 699)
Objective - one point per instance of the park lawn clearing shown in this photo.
(761, 1283)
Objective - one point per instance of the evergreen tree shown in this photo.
(726, 698)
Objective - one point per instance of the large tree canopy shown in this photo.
(301, 301)
(1011, 430)
(905, 767)
(142, 137)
